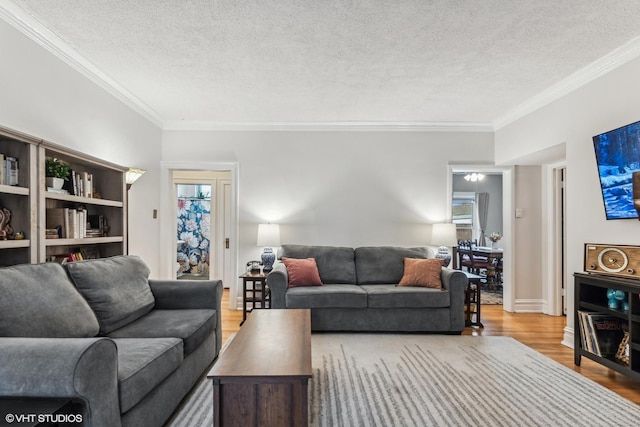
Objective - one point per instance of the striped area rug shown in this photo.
(439, 380)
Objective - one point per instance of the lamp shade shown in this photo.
(444, 234)
(268, 235)
(132, 175)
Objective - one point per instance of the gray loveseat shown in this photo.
(360, 292)
(123, 349)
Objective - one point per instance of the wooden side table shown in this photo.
(472, 299)
(257, 294)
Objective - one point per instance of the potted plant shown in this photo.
(56, 173)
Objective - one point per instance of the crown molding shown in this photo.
(30, 27)
(329, 126)
(616, 58)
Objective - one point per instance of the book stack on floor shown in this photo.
(601, 333)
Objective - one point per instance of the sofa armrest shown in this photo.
(186, 294)
(190, 294)
(456, 282)
(84, 369)
(278, 281)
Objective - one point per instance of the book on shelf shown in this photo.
(93, 233)
(2, 170)
(57, 190)
(69, 184)
(601, 333)
(52, 233)
(11, 170)
(58, 218)
(80, 183)
(87, 184)
(96, 222)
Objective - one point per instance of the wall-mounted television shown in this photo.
(618, 157)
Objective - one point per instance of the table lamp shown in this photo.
(268, 238)
(444, 235)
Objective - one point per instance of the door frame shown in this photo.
(168, 220)
(553, 239)
(222, 228)
(508, 198)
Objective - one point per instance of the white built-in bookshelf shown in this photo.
(100, 220)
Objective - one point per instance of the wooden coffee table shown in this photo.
(261, 378)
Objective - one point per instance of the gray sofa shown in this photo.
(360, 292)
(124, 350)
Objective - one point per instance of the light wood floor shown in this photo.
(538, 331)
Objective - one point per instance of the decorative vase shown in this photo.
(612, 297)
(55, 183)
(268, 258)
(443, 254)
(622, 299)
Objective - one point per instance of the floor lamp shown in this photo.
(130, 177)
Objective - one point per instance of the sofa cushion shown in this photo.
(143, 363)
(193, 326)
(40, 301)
(302, 272)
(392, 296)
(384, 264)
(326, 296)
(422, 272)
(117, 289)
(335, 264)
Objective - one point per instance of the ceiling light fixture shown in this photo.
(474, 177)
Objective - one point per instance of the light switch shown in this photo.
(519, 212)
(155, 213)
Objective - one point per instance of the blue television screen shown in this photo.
(618, 156)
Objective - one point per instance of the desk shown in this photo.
(257, 294)
(472, 299)
(494, 256)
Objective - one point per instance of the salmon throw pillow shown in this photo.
(422, 272)
(302, 272)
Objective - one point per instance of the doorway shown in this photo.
(476, 209)
(501, 221)
(223, 178)
(203, 224)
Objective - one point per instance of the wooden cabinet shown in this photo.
(20, 199)
(591, 296)
(29, 200)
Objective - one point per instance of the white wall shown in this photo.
(610, 101)
(46, 98)
(336, 188)
(527, 231)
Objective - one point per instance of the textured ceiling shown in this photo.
(260, 61)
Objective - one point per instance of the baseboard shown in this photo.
(528, 306)
(569, 337)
